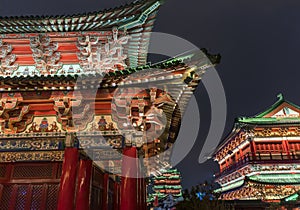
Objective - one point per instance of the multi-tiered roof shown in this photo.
(62, 73)
(64, 44)
(259, 159)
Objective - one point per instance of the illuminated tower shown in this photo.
(259, 159)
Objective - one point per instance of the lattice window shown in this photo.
(2, 170)
(6, 196)
(33, 171)
(21, 197)
(52, 196)
(37, 194)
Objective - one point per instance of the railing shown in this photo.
(259, 157)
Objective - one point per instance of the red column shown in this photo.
(253, 149)
(68, 180)
(241, 153)
(139, 193)
(227, 163)
(129, 180)
(236, 157)
(138, 187)
(119, 196)
(105, 192)
(285, 145)
(83, 185)
(141, 188)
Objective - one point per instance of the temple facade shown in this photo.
(77, 131)
(259, 159)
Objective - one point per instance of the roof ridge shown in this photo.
(133, 3)
(280, 100)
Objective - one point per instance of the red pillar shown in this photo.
(139, 193)
(227, 164)
(241, 153)
(141, 188)
(138, 187)
(236, 157)
(83, 185)
(105, 191)
(286, 148)
(68, 180)
(129, 179)
(253, 149)
(119, 196)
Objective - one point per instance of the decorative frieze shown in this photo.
(277, 131)
(31, 156)
(98, 56)
(45, 55)
(7, 59)
(31, 144)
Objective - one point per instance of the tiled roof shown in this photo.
(127, 16)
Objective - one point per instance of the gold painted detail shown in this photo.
(253, 191)
(26, 144)
(277, 131)
(31, 156)
(44, 125)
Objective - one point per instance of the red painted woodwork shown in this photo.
(129, 180)
(141, 188)
(68, 180)
(285, 145)
(13, 198)
(236, 157)
(67, 47)
(83, 185)
(253, 149)
(105, 191)
(145, 195)
(139, 191)
(143, 204)
(68, 58)
(241, 153)
(29, 185)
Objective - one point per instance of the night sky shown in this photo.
(258, 41)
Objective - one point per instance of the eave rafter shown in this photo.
(126, 16)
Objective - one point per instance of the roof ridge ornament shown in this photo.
(280, 97)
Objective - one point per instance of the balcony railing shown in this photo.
(259, 157)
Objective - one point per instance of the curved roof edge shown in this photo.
(129, 15)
